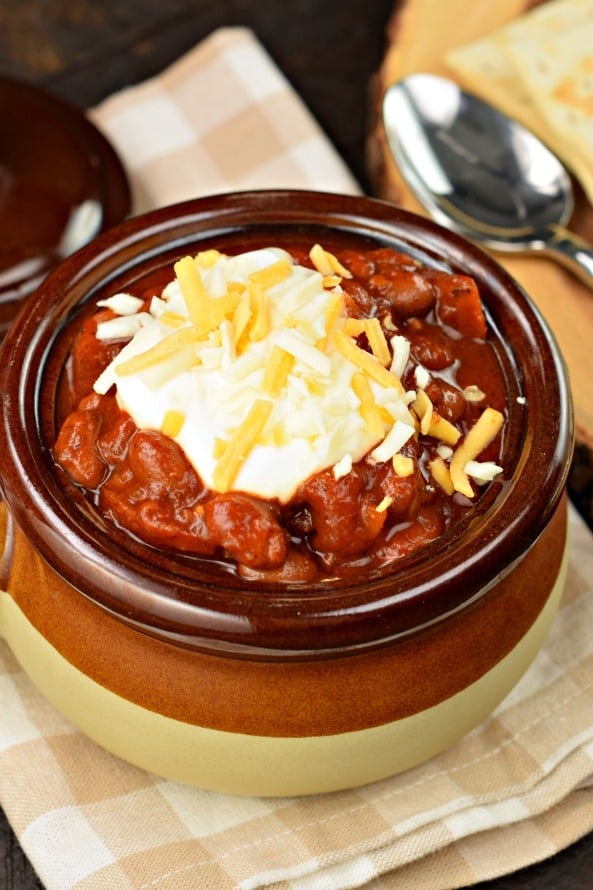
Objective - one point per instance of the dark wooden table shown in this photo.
(83, 50)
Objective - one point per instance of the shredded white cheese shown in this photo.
(400, 347)
(482, 472)
(122, 327)
(342, 467)
(393, 442)
(421, 377)
(121, 304)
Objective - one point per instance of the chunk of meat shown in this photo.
(459, 304)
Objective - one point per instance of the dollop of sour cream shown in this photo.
(278, 341)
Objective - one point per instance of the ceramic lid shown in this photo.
(61, 183)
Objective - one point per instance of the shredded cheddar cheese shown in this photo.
(304, 351)
(241, 317)
(172, 319)
(393, 442)
(240, 444)
(384, 504)
(368, 409)
(333, 312)
(249, 349)
(402, 465)
(423, 408)
(172, 423)
(482, 472)
(443, 430)
(441, 474)
(161, 350)
(377, 341)
(207, 258)
(192, 288)
(353, 327)
(215, 313)
(271, 275)
(483, 432)
(236, 287)
(277, 371)
(258, 326)
(366, 362)
(342, 467)
(122, 304)
(326, 263)
(218, 448)
(121, 327)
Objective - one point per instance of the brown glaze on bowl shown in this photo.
(176, 638)
(61, 183)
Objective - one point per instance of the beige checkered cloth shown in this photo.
(514, 791)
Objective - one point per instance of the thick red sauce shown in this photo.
(143, 482)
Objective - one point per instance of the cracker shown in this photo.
(539, 70)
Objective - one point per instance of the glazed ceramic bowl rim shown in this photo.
(229, 615)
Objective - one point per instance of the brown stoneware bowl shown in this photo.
(271, 688)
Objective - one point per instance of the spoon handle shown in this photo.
(572, 252)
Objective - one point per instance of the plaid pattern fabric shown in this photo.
(514, 791)
(220, 119)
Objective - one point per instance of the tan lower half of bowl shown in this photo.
(252, 763)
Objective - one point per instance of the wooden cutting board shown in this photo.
(419, 33)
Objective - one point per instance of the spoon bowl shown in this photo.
(480, 173)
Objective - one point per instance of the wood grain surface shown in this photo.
(83, 50)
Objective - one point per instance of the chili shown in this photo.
(335, 524)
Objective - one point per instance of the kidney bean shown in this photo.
(357, 300)
(343, 511)
(409, 294)
(156, 521)
(448, 400)
(299, 567)
(114, 438)
(76, 448)
(431, 347)
(248, 529)
(428, 525)
(159, 463)
(116, 426)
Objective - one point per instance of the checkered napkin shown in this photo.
(514, 791)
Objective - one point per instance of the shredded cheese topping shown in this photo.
(237, 449)
(484, 431)
(251, 364)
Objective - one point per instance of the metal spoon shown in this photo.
(480, 173)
